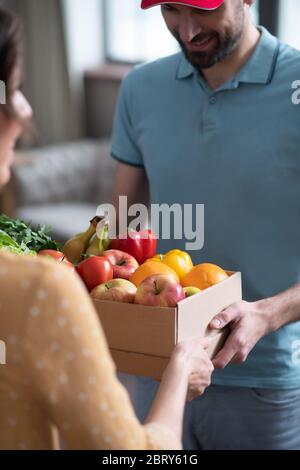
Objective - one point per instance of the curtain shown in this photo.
(46, 80)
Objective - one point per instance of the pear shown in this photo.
(75, 248)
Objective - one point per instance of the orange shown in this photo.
(150, 268)
(203, 276)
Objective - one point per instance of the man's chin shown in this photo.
(203, 62)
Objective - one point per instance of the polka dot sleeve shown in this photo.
(73, 375)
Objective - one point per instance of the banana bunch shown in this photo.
(93, 242)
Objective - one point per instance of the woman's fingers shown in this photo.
(206, 342)
(195, 392)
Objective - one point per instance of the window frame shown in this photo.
(269, 17)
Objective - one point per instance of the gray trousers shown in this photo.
(231, 418)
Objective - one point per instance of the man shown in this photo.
(215, 124)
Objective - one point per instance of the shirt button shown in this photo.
(212, 100)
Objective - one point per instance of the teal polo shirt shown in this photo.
(237, 151)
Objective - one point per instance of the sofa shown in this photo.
(61, 186)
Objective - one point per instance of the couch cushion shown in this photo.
(65, 220)
(80, 171)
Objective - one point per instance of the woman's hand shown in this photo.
(186, 377)
(194, 361)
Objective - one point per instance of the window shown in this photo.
(136, 35)
(289, 30)
(255, 12)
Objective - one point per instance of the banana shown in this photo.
(93, 249)
(100, 242)
(75, 248)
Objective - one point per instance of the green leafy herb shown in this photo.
(21, 236)
(8, 244)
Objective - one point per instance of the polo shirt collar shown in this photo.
(185, 68)
(261, 65)
(259, 68)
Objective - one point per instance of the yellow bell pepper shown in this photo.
(179, 261)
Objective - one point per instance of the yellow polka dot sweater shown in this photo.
(59, 378)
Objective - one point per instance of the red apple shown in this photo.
(123, 264)
(116, 290)
(160, 290)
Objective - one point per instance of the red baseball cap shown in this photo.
(203, 4)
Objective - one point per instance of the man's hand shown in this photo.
(249, 322)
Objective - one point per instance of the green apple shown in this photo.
(189, 291)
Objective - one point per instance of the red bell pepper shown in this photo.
(141, 245)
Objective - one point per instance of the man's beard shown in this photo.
(224, 47)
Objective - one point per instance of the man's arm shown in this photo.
(132, 182)
(250, 321)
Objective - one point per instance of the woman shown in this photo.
(59, 375)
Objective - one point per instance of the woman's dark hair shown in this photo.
(10, 53)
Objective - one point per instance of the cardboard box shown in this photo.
(142, 338)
